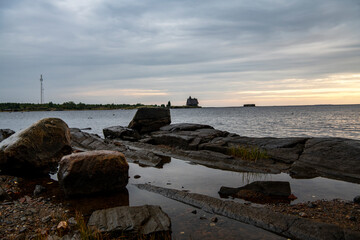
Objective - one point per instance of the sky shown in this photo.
(224, 53)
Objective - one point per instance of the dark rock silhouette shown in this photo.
(150, 119)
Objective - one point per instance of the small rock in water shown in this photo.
(194, 212)
(357, 199)
(38, 190)
(137, 176)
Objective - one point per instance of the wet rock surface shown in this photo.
(150, 119)
(141, 219)
(287, 225)
(93, 172)
(301, 157)
(83, 141)
(36, 149)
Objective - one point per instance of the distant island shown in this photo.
(249, 105)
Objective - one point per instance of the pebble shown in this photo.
(72, 221)
(302, 214)
(214, 219)
(46, 219)
(194, 212)
(137, 176)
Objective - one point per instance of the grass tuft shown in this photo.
(250, 153)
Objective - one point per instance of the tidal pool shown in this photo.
(184, 175)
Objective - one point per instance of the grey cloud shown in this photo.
(124, 41)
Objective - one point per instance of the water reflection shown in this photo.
(87, 205)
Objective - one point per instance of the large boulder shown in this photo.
(137, 220)
(37, 148)
(150, 119)
(5, 133)
(93, 172)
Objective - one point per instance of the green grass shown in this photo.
(250, 153)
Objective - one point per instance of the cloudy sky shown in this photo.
(225, 53)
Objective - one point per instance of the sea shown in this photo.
(341, 121)
(287, 121)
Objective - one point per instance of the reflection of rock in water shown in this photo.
(248, 177)
(86, 205)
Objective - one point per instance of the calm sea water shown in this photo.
(300, 121)
(291, 121)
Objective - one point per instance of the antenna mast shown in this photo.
(41, 90)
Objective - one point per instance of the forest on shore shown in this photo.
(18, 107)
(27, 107)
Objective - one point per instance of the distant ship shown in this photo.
(249, 105)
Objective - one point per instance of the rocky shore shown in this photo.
(33, 207)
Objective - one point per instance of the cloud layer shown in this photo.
(224, 53)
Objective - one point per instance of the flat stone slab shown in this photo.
(140, 219)
(282, 224)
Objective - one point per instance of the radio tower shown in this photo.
(41, 90)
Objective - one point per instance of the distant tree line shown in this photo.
(66, 106)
